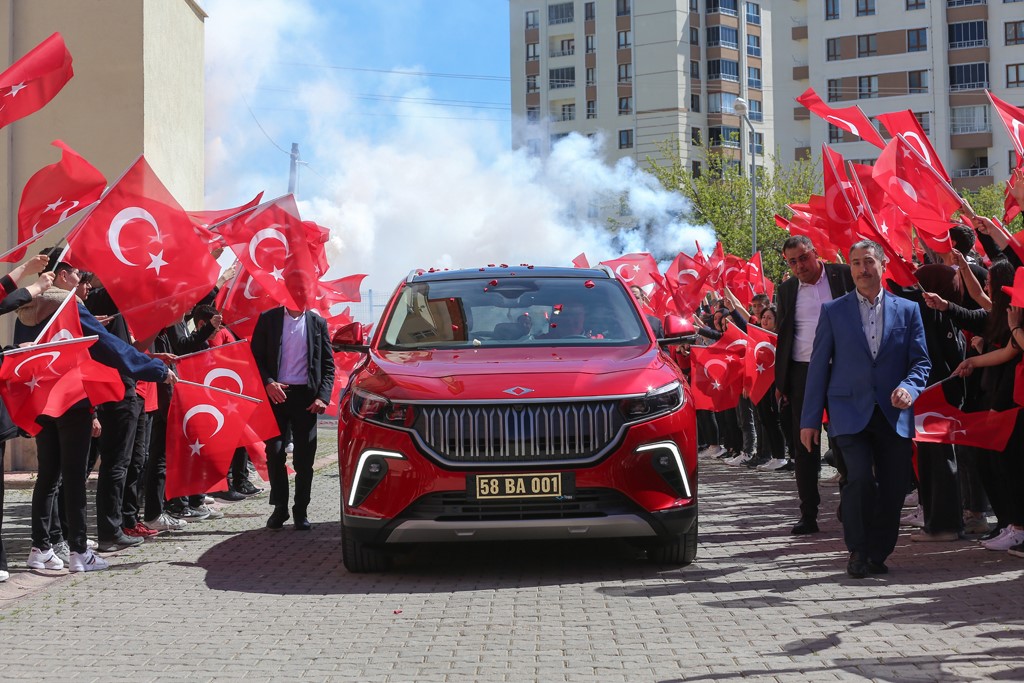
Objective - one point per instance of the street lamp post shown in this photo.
(740, 107)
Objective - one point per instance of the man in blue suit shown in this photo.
(870, 361)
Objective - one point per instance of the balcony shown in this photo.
(969, 128)
(964, 44)
(972, 172)
(561, 20)
(978, 85)
(564, 116)
(753, 83)
(753, 51)
(730, 44)
(557, 84)
(568, 52)
(754, 19)
(755, 116)
(965, 3)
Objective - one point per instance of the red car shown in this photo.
(515, 403)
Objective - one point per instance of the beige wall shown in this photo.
(138, 88)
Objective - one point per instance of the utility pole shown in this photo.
(293, 169)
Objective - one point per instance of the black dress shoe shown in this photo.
(229, 496)
(877, 567)
(302, 524)
(277, 519)
(856, 567)
(805, 526)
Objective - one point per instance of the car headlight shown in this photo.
(373, 408)
(657, 401)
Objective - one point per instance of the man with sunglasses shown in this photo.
(799, 301)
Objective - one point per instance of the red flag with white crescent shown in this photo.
(916, 187)
(35, 79)
(850, 119)
(716, 377)
(936, 421)
(58, 191)
(635, 269)
(759, 363)
(906, 124)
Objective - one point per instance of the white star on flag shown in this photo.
(277, 273)
(760, 368)
(16, 88)
(156, 262)
(32, 383)
(196, 447)
(53, 207)
(716, 385)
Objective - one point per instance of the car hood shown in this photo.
(504, 374)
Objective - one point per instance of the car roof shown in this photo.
(509, 271)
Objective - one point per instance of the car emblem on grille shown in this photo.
(518, 391)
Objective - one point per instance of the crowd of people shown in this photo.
(857, 349)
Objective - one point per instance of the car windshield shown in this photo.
(513, 311)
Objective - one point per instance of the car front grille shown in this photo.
(525, 433)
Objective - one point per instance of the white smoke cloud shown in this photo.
(432, 192)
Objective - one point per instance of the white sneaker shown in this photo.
(87, 562)
(290, 448)
(207, 512)
(44, 559)
(773, 465)
(208, 500)
(165, 523)
(829, 475)
(976, 524)
(912, 500)
(1006, 540)
(915, 518)
(91, 544)
(4, 575)
(741, 459)
(711, 451)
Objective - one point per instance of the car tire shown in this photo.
(360, 558)
(680, 551)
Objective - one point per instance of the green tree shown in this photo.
(720, 195)
(988, 201)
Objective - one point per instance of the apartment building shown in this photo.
(643, 72)
(934, 57)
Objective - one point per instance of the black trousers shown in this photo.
(707, 428)
(772, 442)
(135, 476)
(806, 464)
(292, 417)
(3, 551)
(238, 473)
(879, 467)
(63, 452)
(729, 429)
(939, 488)
(156, 464)
(119, 421)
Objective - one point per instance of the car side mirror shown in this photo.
(349, 338)
(677, 326)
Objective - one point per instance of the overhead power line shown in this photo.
(400, 72)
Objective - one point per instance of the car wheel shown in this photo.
(680, 551)
(360, 558)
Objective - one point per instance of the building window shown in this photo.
(533, 147)
(566, 48)
(694, 69)
(568, 112)
(533, 114)
(532, 52)
(589, 43)
(917, 82)
(625, 39)
(966, 34)
(968, 76)
(756, 110)
(730, 7)
(833, 90)
(925, 119)
(1015, 75)
(695, 169)
(695, 103)
(756, 145)
(754, 77)
(970, 119)
(694, 5)
(1015, 33)
(695, 136)
(723, 69)
(532, 20)
(867, 87)
(834, 134)
(591, 109)
(531, 84)
(753, 46)
(832, 52)
(917, 40)
(915, 4)
(723, 36)
(625, 73)
(622, 7)
(591, 76)
(831, 10)
(721, 103)
(753, 13)
(562, 13)
(865, 8)
(724, 136)
(626, 139)
(867, 45)
(562, 77)
(625, 106)
(588, 11)
(694, 36)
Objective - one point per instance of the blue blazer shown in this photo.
(843, 371)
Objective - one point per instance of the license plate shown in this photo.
(546, 485)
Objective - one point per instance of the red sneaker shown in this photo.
(140, 530)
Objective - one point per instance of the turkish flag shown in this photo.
(34, 80)
(1010, 208)
(205, 222)
(1013, 118)
(317, 237)
(685, 278)
(759, 363)
(640, 269)
(716, 267)
(716, 376)
(839, 209)
(850, 119)
(916, 187)
(271, 243)
(906, 124)
(231, 367)
(338, 291)
(204, 426)
(893, 243)
(57, 191)
(142, 246)
(100, 383)
(936, 421)
(805, 222)
(30, 380)
(581, 261)
(241, 302)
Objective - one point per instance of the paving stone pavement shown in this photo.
(230, 600)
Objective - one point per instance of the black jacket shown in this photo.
(266, 348)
